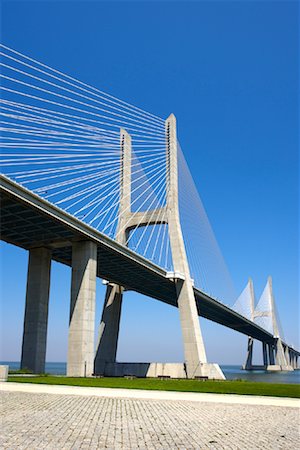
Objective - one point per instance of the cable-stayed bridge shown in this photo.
(102, 186)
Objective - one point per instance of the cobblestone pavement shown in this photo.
(50, 421)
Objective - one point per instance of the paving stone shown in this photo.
(49, 421)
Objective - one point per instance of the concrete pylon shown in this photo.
(194, 350)
(272, 310)
(106, 350)
(287, 355)
(248, 365)
(265, 354)
(252, 298)
(280, 359)
(271, 354)
(293, 359)
(36, 310)
(82, 311)
(277, 357)
(274, 355)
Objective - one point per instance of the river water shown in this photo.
(231, 372)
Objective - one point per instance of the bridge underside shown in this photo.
(29, 222)
(28, 227)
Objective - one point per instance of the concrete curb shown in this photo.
(149, 395)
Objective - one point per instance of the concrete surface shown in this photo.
(36, 310)
(3, 373)
(82, 312)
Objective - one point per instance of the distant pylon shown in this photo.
(266, 308)
(274, 355)
(280, 357)
(244, 305)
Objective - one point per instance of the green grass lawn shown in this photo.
(219, 387)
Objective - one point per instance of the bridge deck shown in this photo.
(29, 221)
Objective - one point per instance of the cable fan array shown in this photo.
(207, 265)
(60, 138)
(244, 304)
(264, 313)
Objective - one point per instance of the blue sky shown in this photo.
(229, 71)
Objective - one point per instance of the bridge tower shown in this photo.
(279, 360)
(274, 354)
(106, 350)
(194, 350)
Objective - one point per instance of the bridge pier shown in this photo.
(36, 310)
(265, 354)
(287, 355)
(279, 354)
(248, 365)
(294, 360)
(290, 357)
(106, 350)
(271, 354)
(194, 350)
(281, 362)
(274, 357)
(249, 361)
(82, 310)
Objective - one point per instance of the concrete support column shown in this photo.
(291, 358)
(36, 310)
(265, 354)
(287, 356)
(109, 328)
(279, 354)
(248, 365)
(125, 187)
(82, 311)
(271, 354)
(194, 350)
